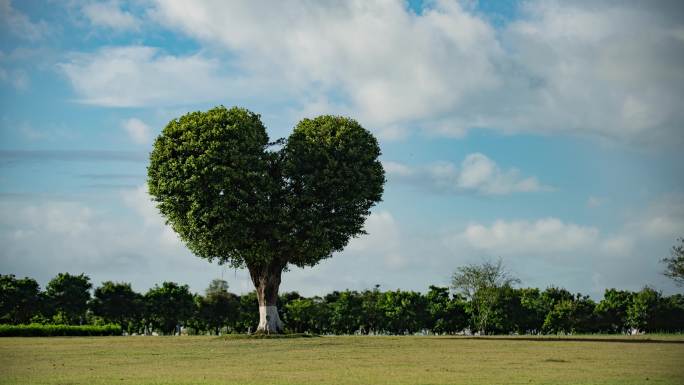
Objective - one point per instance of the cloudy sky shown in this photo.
(545, 133)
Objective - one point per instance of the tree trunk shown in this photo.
(267, 281)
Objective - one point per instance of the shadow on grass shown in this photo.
(263, 336)
(570, 339)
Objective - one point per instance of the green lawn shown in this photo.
(339, 360)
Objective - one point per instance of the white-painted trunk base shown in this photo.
(269, 320)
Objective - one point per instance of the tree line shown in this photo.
(482, 300)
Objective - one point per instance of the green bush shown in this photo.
(38, 330)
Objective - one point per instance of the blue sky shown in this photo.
(545, 133)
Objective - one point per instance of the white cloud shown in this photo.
(392, 65)
(580, 257)
(109, 14)
(603, 69)
(477, 174)
(398, 169)
(619, 246)
(481, 173)
(128, 242)
(141, 76)
(546, 236)
(19, 24)
(608, 70)
(137, 130)
(141, 202)
(662, 219)
(383, 240)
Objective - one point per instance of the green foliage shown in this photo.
(481, 284)
(234, 198)
(118, 303)
(248, 319)
(169, 306)
(20, 299)
(670, 314)
(284, 299)
(373, 320)
(446, 315)
(523, 311)
(218, 309)
(530, 317)
(675, 263)
(307, 315)
(612, 310)
(69, 295)
(558, 319)
(38, 330)
(570, 316)
(207, 174)
(405, 311)
(553, 295)
(331, 177)
(345, 311)
(642, 312)
(231, 199)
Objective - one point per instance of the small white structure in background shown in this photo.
(635, 332)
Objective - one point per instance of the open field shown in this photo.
(340, 360)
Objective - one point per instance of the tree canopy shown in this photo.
(232, 199)
(169, 305)
(235, 197)
(481, 284)
(19, 299)
(372, 311)
(117, 302)
(675, 263)
(69, 295)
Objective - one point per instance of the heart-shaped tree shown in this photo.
(233, 196)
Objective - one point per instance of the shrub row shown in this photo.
(38, 330)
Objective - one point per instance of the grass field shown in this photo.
(340, 360)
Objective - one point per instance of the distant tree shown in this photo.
(405, 311)
(249, 319)
(675, 263)
(671, 314)
(611, 312)
(345, 312)
(480, 284)
(563, 313)
(533, 311)
(642, 313)
(509, 311)
(284, 299)
(553, 295)
(217, 287)
(373, 319)
(585, 317)
(558, 319)
(69, 296)
(116, 302)
(19, 299)
(235, 198)
(219, 308)
(169, 305)
(307, 315)
(446, 314)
